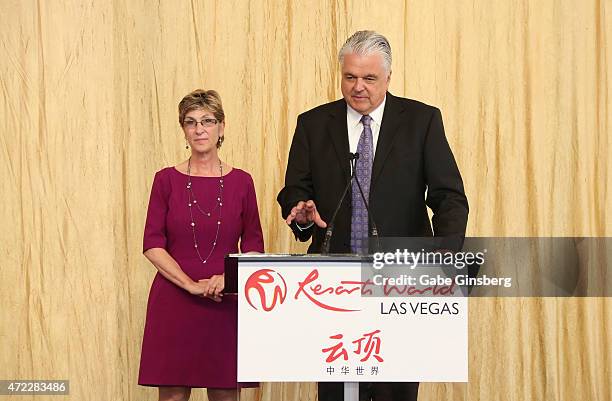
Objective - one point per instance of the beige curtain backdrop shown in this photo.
(88, 98)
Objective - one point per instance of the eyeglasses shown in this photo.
(207, 123)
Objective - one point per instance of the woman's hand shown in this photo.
(199, 288)
(209, 288)
(216, 284)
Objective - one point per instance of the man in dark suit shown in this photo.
(404, 165)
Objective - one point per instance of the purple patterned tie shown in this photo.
(359, 219)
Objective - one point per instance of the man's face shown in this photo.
(364, 81)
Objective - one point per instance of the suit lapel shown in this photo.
(338, 132)
(388, 129)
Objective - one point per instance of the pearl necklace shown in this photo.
(194, 202)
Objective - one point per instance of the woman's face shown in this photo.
(202, 130)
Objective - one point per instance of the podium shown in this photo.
(324, 318)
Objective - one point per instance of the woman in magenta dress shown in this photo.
(199, 211)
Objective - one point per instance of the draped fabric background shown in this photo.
(88, 99)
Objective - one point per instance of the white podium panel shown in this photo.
(311, 320)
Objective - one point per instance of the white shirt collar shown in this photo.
(354, 117)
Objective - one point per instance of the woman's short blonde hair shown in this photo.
(202, 99)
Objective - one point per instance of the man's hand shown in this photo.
(304, 213)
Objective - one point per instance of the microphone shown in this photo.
(330, 227)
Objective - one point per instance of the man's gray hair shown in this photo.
(365, 43)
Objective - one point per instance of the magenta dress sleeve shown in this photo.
(155, 226)
(251, 238)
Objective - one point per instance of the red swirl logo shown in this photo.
(261, 284)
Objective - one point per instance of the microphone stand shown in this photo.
(330, 227)
(351, 389)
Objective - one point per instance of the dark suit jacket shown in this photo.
(413, 168)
